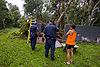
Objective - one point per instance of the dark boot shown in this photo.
(46, 56)
(52, 58)
(33, 48)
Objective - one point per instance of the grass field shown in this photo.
(15, 52)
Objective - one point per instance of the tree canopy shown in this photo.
(80, 12)
(5, 14)
(8, 16)
(33, 7)
(12, 8)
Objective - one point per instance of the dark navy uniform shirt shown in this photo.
(50, 31)
(33, 29)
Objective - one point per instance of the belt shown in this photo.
(34, 34)
(50, 38)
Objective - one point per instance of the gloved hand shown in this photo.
(42, 39)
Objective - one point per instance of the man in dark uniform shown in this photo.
(50, 35)
(33, 35)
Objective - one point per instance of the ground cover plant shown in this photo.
(15, 52)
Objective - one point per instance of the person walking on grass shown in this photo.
(33, 35)
(71, 35)
(50, 35)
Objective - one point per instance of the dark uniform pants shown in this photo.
(33, 41)
(50, 44)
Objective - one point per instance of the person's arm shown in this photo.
(43, 35)
(37, 32)
(70, 32)
(44, 32)
(67, 33)
(57, 29)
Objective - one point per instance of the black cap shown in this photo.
(51, 20)
(35, 23)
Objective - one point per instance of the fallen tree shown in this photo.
(63, 13)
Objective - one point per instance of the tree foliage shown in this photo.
(17, 17)
(80, 12)
(5, 15)
(58, 7)
(34, 8)
(45, 17)
(16, 14)
(12, 8)
(24, 28)
(84, 12)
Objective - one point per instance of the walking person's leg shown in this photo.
(52, 46)
(68, 56)
(35, 39)
(32, 44)
(46, 49)
(46, 52)
(71, 54)
(68, 49)
(52, 52)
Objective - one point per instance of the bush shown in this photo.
(24, 28)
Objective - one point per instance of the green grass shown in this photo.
(15, 52)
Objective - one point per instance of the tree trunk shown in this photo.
(61, 8)
(63, 13)
(89, 17)
(60, 26)
(82, 22)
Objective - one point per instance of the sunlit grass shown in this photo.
(15, 52)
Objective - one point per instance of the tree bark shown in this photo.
(61, 8)
(89, 17)
(63, 13)
(82, 22)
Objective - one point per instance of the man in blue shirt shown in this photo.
(50, 35)
(33, 35)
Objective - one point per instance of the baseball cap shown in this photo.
(51, 20)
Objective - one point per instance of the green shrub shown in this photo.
(24, 28)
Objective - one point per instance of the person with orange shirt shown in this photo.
(71, 35)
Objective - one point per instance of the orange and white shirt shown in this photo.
(71, 38)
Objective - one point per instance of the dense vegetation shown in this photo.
(80, 12)
(10, 17)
